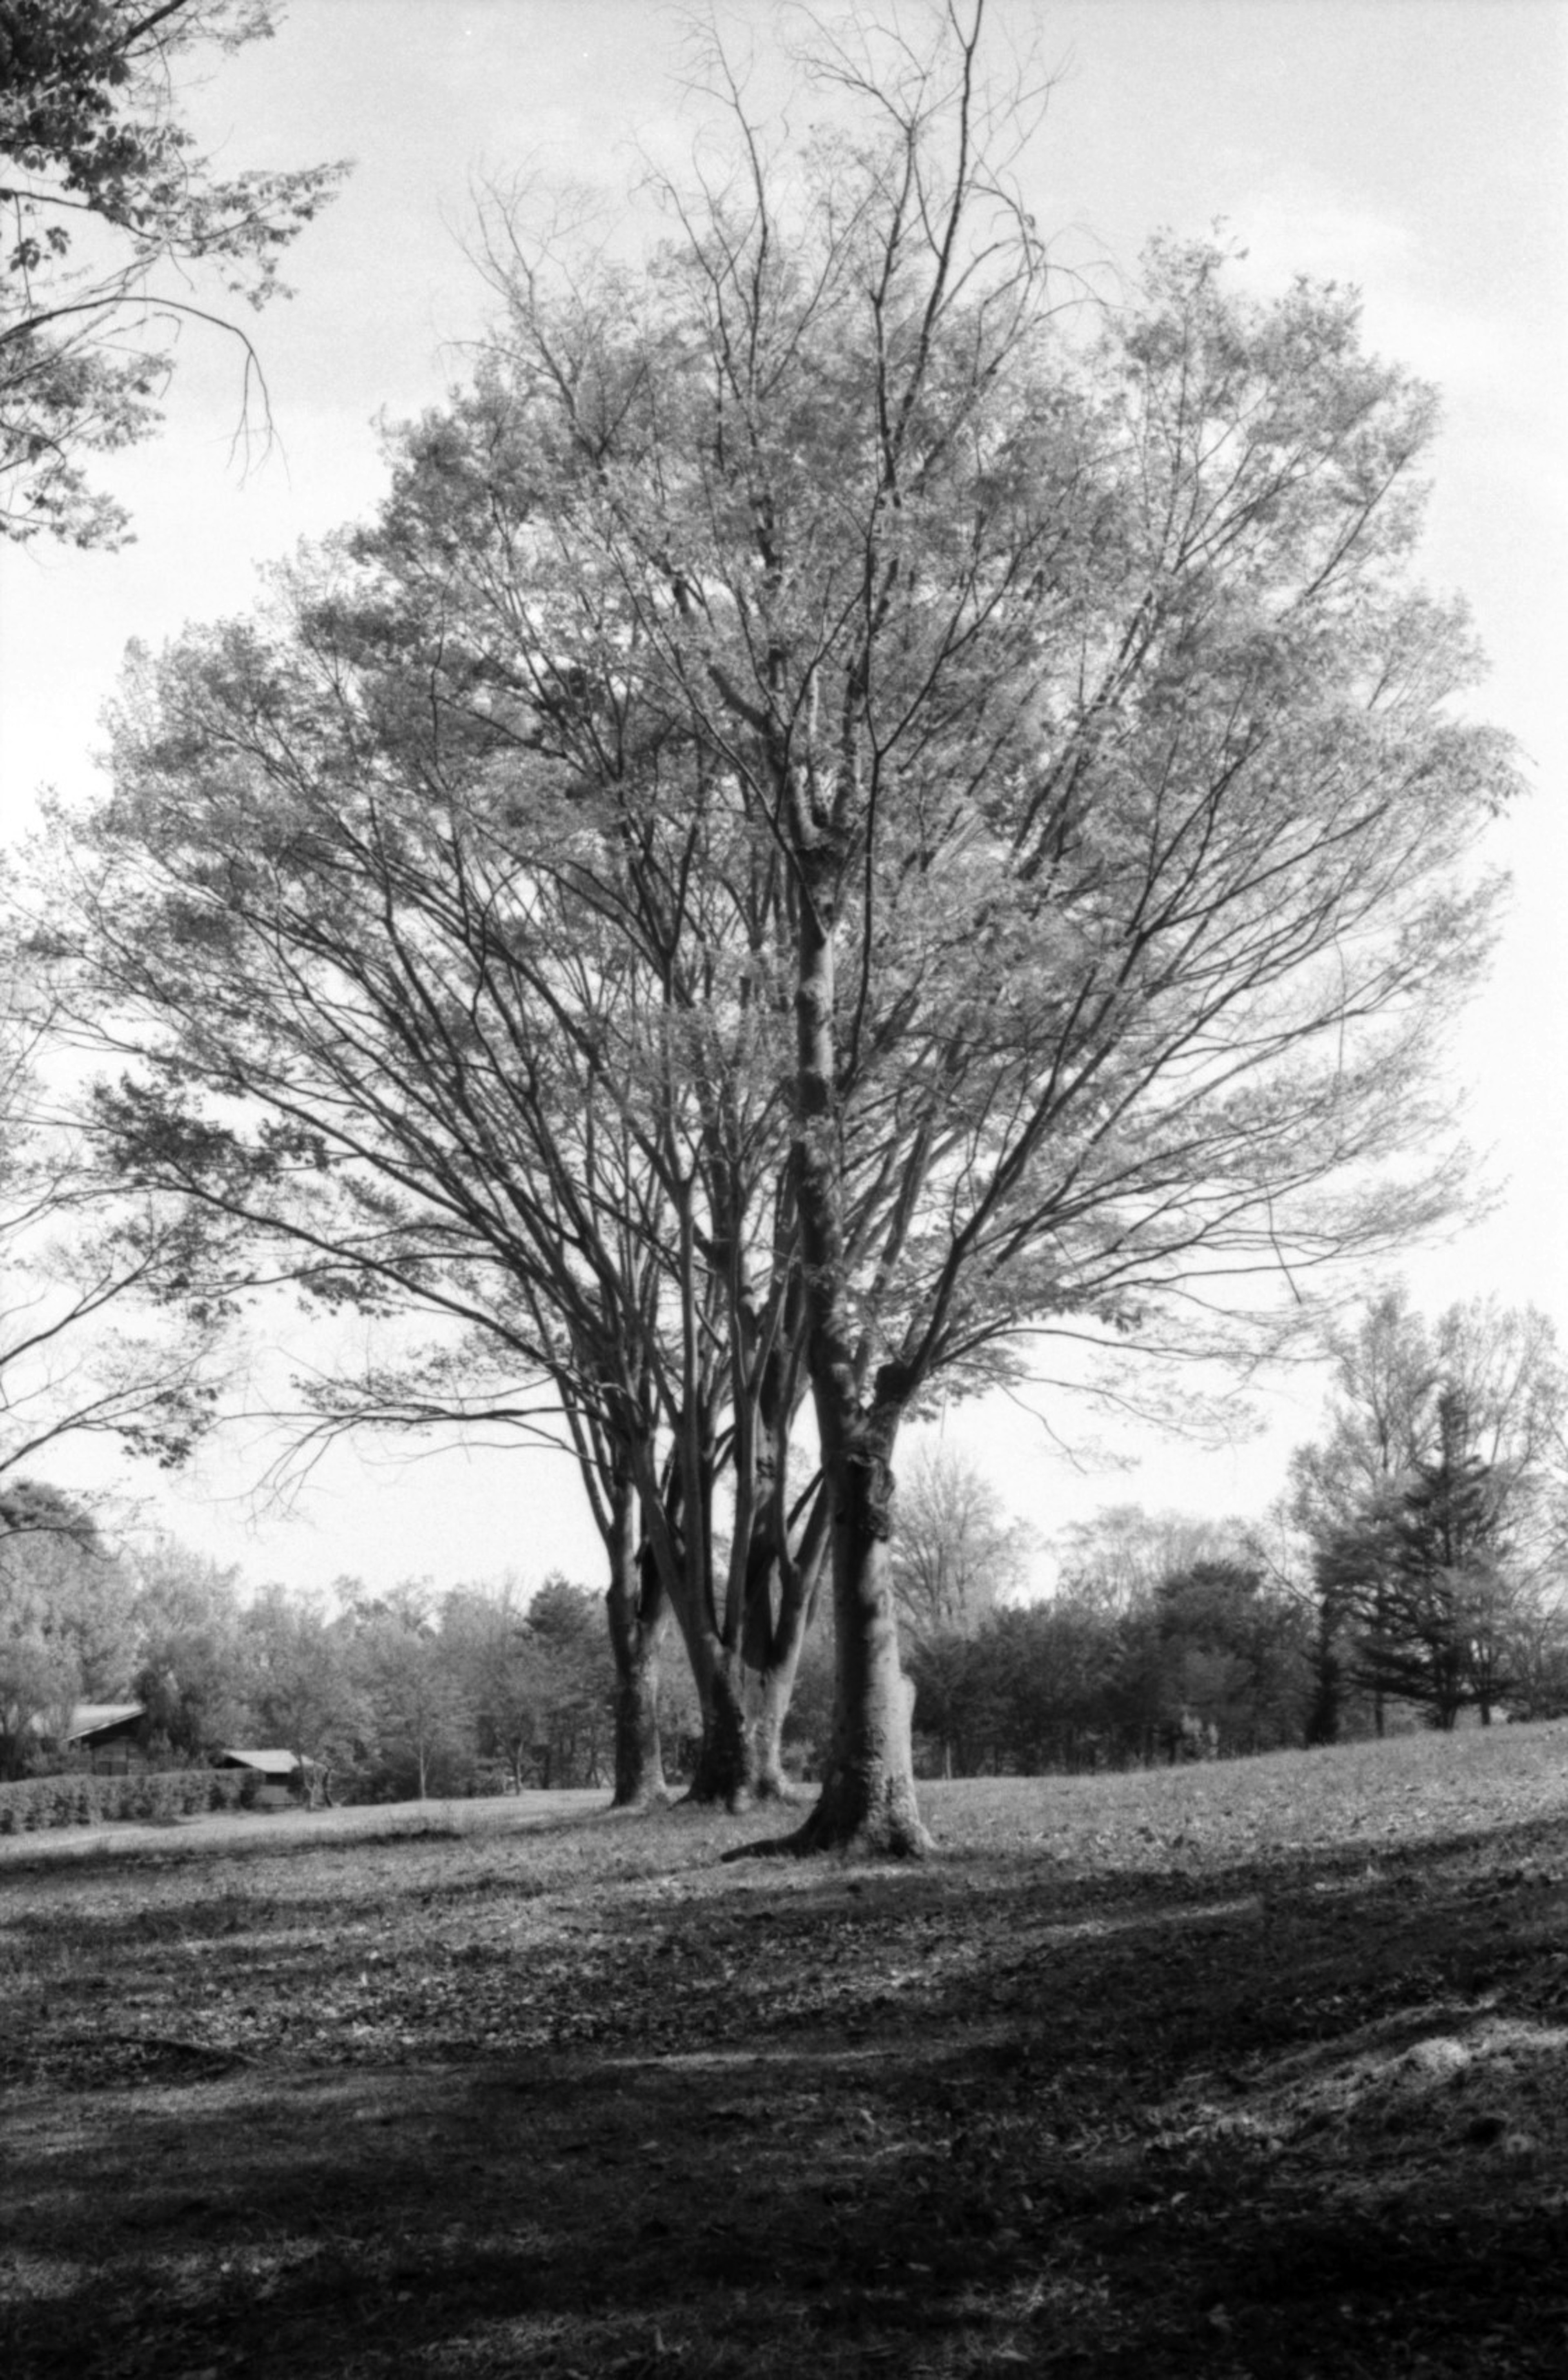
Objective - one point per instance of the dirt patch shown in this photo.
(580, 2099)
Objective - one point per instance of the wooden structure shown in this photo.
(282, 1773)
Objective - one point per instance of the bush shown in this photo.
(75, 1798)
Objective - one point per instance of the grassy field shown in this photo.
(1258, 2068)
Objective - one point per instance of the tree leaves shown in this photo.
(87, 125)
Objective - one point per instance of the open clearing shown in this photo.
(1258, 2068)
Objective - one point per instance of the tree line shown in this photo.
(407, 1695)
(863, 808)
(1412, 1570)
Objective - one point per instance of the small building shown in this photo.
(105, 1734)
(283, 1774)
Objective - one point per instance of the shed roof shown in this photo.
(91, 1718)
(272, 1763)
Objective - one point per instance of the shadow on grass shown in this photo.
(808, 2212)
(1303, 2119)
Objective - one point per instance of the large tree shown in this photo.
(465, 1048)
(1081, 685)
(1061, 679)
(117, 231)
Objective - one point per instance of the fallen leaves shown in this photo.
(1017, 2104)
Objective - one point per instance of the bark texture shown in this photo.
(868, 1806)
(725, 1772)
(638, 1616)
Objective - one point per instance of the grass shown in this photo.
(1244, 2070)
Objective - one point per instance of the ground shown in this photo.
(1246, 2069)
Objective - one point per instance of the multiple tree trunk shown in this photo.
(833, 827)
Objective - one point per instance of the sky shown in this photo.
(1417, 149)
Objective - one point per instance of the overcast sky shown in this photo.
(1417, 148)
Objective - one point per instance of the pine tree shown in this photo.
(1437, 1557)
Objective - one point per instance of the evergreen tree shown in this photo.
(1436, 1554)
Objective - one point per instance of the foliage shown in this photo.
(113, 221)
(838, 816)
(576, 1685)
(485, 1636)
(192, 1672)
(1203, 1662)
(303, 1689)
(529, 1684)
(419, 1717)
(1420, 1574)
(75, 1798)
(1433, 1508)
(1235, 1656)
(808, 1729)
(80, 1254)
(65, 1628)
(957, 1552)
(1118, 1559)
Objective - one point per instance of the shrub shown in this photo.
(75, 1798)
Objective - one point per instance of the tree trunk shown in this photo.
(1323, 1721)
(868, 1806)
(639, 1758)
(725, 1772)
(776, 1657)
(639, 1615)
(771, 1782)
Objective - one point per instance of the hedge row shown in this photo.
(79, 1799)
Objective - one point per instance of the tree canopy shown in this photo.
(915, 814)
(108, 207)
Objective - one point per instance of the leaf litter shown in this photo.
(1166, 2073)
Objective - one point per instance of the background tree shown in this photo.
(959, 1552)
(65, 1626)
(1482, 1388)
(114, 223)
(1387, 1375)
(1435, 1550)
(1235, 1659)
(577, 1685)
(484, 1636)
(305, 1694)
(420, 1713)
(192, 1672)
(956, 1555)
(1118, 1559)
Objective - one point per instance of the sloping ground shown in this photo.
(1256, 2070)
